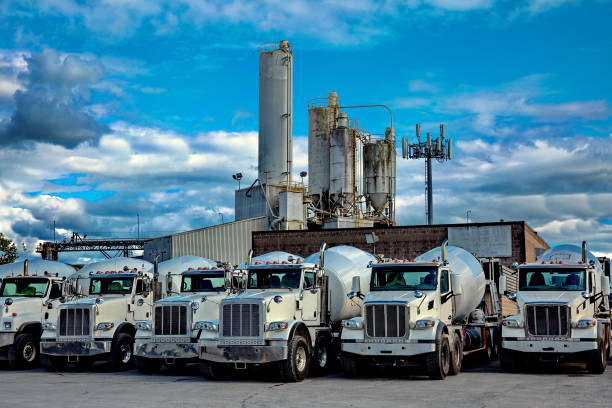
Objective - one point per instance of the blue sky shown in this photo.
(112, 108)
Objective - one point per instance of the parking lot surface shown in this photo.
(477, 386)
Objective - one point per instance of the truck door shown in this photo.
(142, 301)
(446, 298)
(310, 297)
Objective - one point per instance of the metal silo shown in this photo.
(320, 124)
(342, 162)
(275, 110)
(379, 168)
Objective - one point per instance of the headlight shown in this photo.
(208, 326)
(424, 324)
(48, 326)
(586, 323)
(352, 324)
(513, 323)
(8, 325)
(275, 326)
(148, 326)
(105, 326)
(195, 305)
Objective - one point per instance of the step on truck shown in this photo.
(427, 314)
(287, 316)
(115, 294)
(563, 311)
(170, 338)
(29, 294)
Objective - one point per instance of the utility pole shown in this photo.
(439, 149)
(138, 226)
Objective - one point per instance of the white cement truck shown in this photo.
(289, 314)
(563, 311)
(170, 338)
(428, 313)
(29, 294)
(115, 294)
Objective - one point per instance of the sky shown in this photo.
(114, 108)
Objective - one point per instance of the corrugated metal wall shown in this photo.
(229, 242)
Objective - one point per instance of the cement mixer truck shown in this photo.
(288, 314)
(29, 294)
(114, 295)
(426, 313)
(563, 311)
(170, 338)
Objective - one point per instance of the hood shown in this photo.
(569, 297)
(403, 297)
(194, 296)
(20, 300)
(285, 310)
(262, 294)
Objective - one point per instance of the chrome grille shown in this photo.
(547, 320)
(74, 322)
(170, 320)
(240, 320)
(385, 320)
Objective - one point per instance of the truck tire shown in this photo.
(352, 365)
(212, 371)
(53, 363)
(122, 353)
(438, 363)
(23, 354)
(85, 363)
(596, 360)
(492, 352)
(508, 361)
(177, 366)
(321, 358)
(147, 365)
(456, 355)
(295, 367)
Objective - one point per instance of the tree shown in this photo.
(8, 250)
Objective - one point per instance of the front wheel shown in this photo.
(438, 362)
(23, 354)
(508, 361)
(53, 363)
(352, 365)
(597, 360)
(147, 365)
(122, 353)
(295, 367)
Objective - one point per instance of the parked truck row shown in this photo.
(302, 316)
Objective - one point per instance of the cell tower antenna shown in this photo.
(439, 149)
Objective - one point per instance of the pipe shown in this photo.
(584, 252)
(322, 255)
(26, 265)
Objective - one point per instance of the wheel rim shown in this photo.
(29, 352)
(300, 359)
(126, 353)
(457, 357)
(322, 357)
(445, 358)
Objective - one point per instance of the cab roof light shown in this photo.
(190, 269)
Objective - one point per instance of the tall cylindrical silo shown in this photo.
(275, 111)
(379, 169)
(342, 162)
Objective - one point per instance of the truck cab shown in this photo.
(563, 311)
(28, 300)
(171, 336)
(280, 315)
(420, 313)
(101, 324)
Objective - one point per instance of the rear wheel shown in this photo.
(438, 363)
(147, 365)
(23, 354)
(352, 365)
(456, 355)
(295, 367)
(122, 353)
(53, 363)
(597, 360)
(321, 360)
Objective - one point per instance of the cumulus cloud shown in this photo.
(50, 108)
(12, 64)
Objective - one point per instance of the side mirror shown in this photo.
(605, 285)
(511, 296)
(356, 284)
(456, 285)
(502, 285)
(585, 295)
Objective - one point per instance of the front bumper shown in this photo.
(76, 347)
(388, 349)
(272, 351)
(150, 349)
(567, 346)
(7, 338)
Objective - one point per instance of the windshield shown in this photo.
(552, 279)
(27, 287)
(109, 286)
(203, 283)
(404, 278)
(274, 278)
